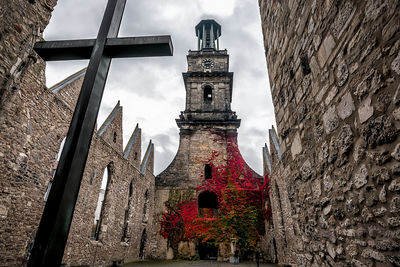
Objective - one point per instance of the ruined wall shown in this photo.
(334, 71)
(23, 124)
(31, 135)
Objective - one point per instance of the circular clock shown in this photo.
(207, 63)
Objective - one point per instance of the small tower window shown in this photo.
(115, 137)
(207, 171)
(207, 94)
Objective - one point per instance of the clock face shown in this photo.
(207, 63)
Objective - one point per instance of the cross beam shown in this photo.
(147, 46)
(52, 234)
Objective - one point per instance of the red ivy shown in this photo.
(241, 200)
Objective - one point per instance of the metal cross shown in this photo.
(54, 226)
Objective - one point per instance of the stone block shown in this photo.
(346, 106)
(331, 249)
(394, 185)
(378, 131)
(360, 178)
(366, 110)
(306, 170)
(395, 205)
(330, 120)
(396, 152)
(341, 73)
(373, 254)
(316, 188)
(393, 221)
(296, 147)
(396, 114)
(325, 50)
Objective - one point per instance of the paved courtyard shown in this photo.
(196, 264)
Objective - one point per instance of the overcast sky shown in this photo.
(151, 90)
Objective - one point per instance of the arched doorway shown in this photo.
(208, 208)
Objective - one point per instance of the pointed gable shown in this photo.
(68, 89)
(274, 147)
(132, 151)
(111, 130)
(148, 160)
(266, 160)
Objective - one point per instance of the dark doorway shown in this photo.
(207, 251)
(143, 242)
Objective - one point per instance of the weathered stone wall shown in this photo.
(33, 122)
(334, 75)
(36, 123)
(21, 24)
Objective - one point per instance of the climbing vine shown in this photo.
(241, 213)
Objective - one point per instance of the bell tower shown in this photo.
(208, 82)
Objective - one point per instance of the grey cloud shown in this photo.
(134, 81)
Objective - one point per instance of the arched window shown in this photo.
(208, 204)
(207, 171)
(207, 94)
(99, 212)
(146, 202)
(125, 237)
(53, 172)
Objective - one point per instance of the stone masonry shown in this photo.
(33, 123)
(334, 70)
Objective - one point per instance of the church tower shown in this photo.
(207, 115)
(208, 127)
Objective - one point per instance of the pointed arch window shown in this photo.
(146, 203)
(208, 94)
(125, 237)
(53, 172)
(102, 198)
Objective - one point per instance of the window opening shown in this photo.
(53, 171)
(208, 204)
(207, 94)
(99, 212)
(143, 241)
(115, 137)
(125, 237)
(207, 171)
(146, 201)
